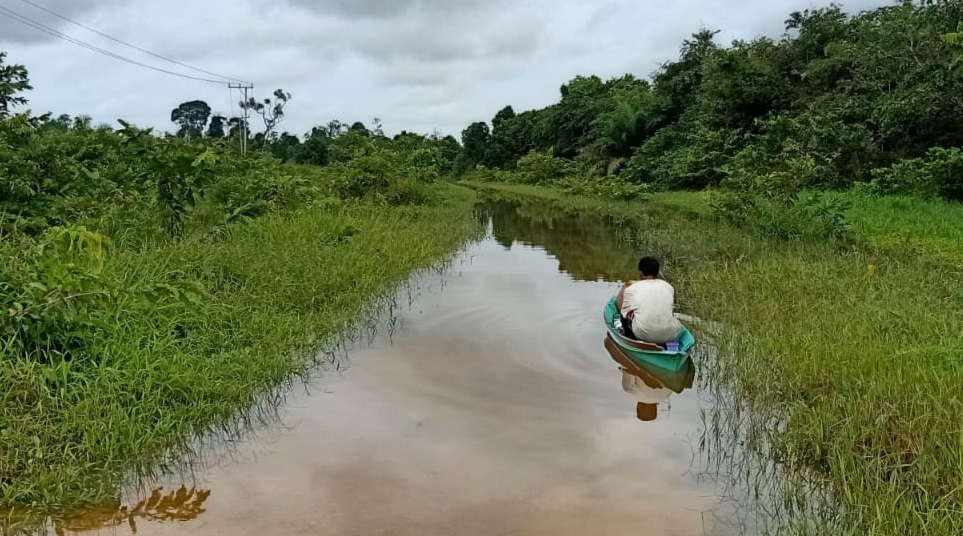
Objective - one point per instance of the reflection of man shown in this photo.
(648, 386)
(647, 390)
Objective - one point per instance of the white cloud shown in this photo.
(416, 64)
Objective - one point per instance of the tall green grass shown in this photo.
(863, 369)
(277, 290)
(854, 376)
(931, 227)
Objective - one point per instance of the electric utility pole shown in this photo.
(244, 112)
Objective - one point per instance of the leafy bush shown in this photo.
(479, 173)
(179, 170)
(53, 304)
(778, 179)
(682, 157)
(426, 163)
(938, 174)
(407, 191)
(540, 168)
(486, 174)
(505, 176)
(811, 215)
(129, 182)
(57, 299)
(265, 185)
(381, 174)
(767, 189)
(137, 187)
(45, 171)
(608, 188)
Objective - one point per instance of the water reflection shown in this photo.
(650, 386)
(260, 423)
(520, 434)
(587, 247)
(182, 504)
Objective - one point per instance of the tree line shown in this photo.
(332, 142)
(62, 171)
(873, 99)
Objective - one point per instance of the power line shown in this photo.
(126, 44)
(50, 31)
(9, 13)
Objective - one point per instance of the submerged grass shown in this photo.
(276, 291)
(852, 374)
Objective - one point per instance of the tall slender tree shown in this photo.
(270, 110)
(13, 82)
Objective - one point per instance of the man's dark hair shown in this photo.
(649, 267)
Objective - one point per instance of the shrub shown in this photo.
(812, 215)
(478, 173)
(268, 187)
(540, 168)
(938, 174)
(608, 188)
(780, 181)
(383, 175)
(407, 191)
(50, 303)
(682, 156)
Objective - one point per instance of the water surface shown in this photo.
(495, 410)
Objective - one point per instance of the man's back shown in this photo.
(650, 304)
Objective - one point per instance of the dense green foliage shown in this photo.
(154, 286)
(337, 142)
(874, 99)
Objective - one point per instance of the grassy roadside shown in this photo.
(862, 368)
(929, 227)
(271, 293)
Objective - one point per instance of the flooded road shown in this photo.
(496, 409)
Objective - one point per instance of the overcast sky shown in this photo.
(419, 65)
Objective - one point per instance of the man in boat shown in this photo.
(646, 306)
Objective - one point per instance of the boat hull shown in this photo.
(647, 354)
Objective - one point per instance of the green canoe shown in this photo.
(647, 353)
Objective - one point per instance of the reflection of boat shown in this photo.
(647, 353)
(649, 385)
(677, 381)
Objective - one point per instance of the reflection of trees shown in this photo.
(588, 248)
(181, 505)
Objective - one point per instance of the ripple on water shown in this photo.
(495, 410)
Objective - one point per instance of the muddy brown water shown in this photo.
(496, 409)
